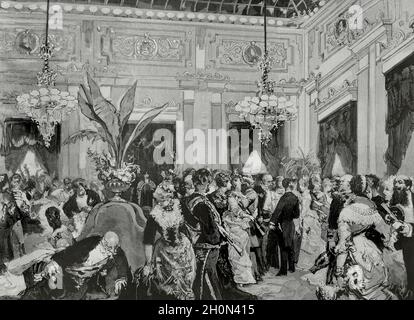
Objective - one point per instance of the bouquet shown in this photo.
(107, 170)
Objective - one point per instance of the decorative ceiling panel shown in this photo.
(275, 8)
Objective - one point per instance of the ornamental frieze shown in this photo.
(341, 32)
(17, 43)
(248, 53)
(148, 47)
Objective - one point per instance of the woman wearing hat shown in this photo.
(170, 261)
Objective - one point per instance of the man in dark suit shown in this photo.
(203, 223)
(264, 212)
(95, 268)
(281, 221)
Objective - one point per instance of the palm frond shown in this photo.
(87, 134)
(304, 165)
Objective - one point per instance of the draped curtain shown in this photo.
(338, 136)
(142, 149)
(21, 135)
(400, 118)
(271, 154)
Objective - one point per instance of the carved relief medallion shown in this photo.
(26, 42)
(252, 53)
(147, 47)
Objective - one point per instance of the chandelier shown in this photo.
(266, 111)
(47, 106)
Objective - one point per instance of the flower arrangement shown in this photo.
(105, 166)
(110, 123)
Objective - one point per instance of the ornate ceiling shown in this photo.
(276, 8)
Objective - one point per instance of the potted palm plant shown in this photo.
(113, 170)
(306, 165)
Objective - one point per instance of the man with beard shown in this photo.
(264, 210)
(95, 267)
(403, 198)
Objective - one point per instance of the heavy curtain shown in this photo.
(20, 136)
(338, 136)
(400, 118)
(142, 149)
(271, 154)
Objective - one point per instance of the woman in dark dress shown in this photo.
(170, 266)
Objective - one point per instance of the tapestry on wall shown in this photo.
(338, 142)
(24, 150)
(400, 119)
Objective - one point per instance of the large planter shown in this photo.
(117, 187)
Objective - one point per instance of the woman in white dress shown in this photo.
(312, 212)
(236, 220)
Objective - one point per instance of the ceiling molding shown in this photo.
(151, 14)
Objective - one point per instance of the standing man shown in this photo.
(404, 198)
(281, 221)
(264, 211)
(204, 222)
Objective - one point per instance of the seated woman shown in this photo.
(170, 265)
(237, 220)
(361, 272)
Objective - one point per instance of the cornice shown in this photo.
(335, 98)
(150, 14)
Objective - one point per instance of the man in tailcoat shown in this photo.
(281, 221)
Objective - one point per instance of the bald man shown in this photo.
(94, 268)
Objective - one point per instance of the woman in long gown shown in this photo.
(312, 242)
(170, 265)
(361, 272)
(255, 230)
(237, 219)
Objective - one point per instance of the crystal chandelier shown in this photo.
(266, 111)
(47, 106)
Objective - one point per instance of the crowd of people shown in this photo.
(211, 233)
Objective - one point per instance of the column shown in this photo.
(219, 139)
(69, 155)
(313, 127)
(202, 122)
(362, 121)
(381, 110)
(372, 120)
(188, 116)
